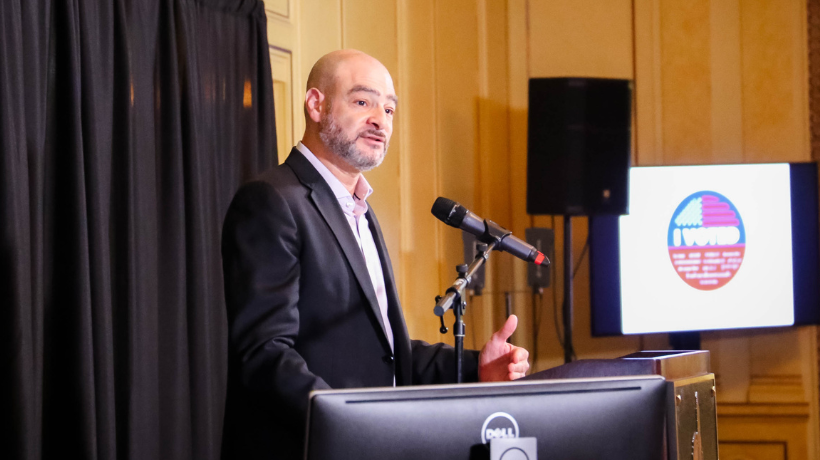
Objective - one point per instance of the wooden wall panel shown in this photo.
(721, 81)
(456, 70)
(282, 23)
(726, 82)
(783, 424)
(584, 38)
(282, 71)
(813, 35)
(686, 82)
(457, 87)
(648, 102)
(416, 114)
(753, 451)
(320, 32)
(282, 41)
(371, 27)
(775, 74)
(279, 8)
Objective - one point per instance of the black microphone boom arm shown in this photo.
(456, 291)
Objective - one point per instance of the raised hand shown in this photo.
(501, 361)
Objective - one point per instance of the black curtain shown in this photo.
(125, 128)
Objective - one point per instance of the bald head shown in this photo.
(324, 74)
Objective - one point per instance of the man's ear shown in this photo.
(313, 104)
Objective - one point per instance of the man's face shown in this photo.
(359, 114)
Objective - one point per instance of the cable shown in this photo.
(536, 323)
(581, 257)
(575, 272)
(553, 276)
(572, 347)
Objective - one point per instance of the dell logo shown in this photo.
(499, 425)
(491, 433)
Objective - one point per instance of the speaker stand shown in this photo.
(567, 308)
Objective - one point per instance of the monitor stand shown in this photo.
(514, 449)
(684, 340)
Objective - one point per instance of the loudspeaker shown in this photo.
(469, 242)
(543, 239)
(578, 146)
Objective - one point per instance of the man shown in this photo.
(311, 297)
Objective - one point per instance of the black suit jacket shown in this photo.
(303, 313)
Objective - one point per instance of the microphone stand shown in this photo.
(454, 296)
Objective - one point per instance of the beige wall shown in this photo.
(720, 81)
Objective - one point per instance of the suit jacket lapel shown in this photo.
(401, 339)
(329, 208)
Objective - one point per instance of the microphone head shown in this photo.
(541, 259)
(448, 211)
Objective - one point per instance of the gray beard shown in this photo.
(332, 136)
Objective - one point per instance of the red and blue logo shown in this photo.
(707, 240)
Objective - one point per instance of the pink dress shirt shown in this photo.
(354, 208)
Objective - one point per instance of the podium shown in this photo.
(691, 417)
(644, 406)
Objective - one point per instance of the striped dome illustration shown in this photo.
(707, 240)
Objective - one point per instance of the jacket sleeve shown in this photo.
(260, 256)
(434, 364)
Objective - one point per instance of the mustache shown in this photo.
(374, 132)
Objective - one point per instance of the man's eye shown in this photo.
(388, 111)
(361, 103)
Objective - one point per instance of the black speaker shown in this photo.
(477, 280)
(543, 239)
(578, 146)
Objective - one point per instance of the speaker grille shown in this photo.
(578, 146)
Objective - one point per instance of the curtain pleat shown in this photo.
(125, 128)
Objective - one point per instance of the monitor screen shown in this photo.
(708, 247)
(615, 418)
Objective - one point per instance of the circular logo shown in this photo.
(499, 425)
(707, 240)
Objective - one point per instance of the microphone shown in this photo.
(486, 231)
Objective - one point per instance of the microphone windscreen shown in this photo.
(443, 209)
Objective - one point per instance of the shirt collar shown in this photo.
(361, 191)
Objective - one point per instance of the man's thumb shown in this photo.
(507, 329)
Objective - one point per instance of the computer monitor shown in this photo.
(613, 418)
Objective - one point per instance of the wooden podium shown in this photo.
(691, 422)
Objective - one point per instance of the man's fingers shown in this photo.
(518, 365)
(519, 354)
(518, 368)
(516, 375)
(507, 329)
